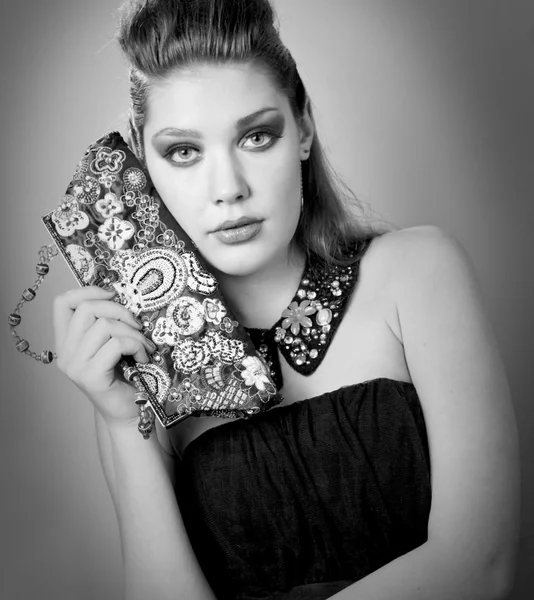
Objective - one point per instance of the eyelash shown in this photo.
(174, 149)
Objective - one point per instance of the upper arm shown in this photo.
(457, 371)
(167, 451)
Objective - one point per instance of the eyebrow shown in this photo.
(241, 123)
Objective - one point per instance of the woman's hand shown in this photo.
(92, 334)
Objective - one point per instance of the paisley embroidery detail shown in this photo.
(82, 261)
(86, 191)
(115, 232)
(199, 281)
(187, 315)
(68, 217)
(154, 277)
(156, 379)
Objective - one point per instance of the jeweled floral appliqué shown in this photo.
(109, 205)
(68, 217)
(255, 374)
(214, 310)
(134, 179)
(297, 316)
(108, 161)
(115, 232)
(86, 191)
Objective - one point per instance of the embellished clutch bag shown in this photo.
(113, 230)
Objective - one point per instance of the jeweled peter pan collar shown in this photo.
(307, 326)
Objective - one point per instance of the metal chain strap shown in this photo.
(46, 254)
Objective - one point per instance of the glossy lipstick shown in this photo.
(234, 232)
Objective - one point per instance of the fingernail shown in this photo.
(138, 321)
(151, 344)
(110, 290)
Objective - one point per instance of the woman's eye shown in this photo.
(259, 139)
(182, 155)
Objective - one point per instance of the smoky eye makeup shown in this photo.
(169, 141)
(273, 124)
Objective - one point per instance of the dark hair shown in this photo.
(160, 36)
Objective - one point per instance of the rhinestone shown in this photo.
(305, 282)
(325, 329)
(263, 348)
(335, 284)
(300, 359)
(288, 340)
(312, 295)
(314, 353)
(301, 293)
(337, 292)
(306, 331)
(324, 316)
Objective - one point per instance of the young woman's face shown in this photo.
(223, 150)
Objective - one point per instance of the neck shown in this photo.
(257, 300)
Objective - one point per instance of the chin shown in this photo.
(239, 260)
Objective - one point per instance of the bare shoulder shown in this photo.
(401, 263)
(393, 255)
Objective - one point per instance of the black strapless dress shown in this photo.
(304, 500)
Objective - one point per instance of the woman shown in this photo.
(390, 469)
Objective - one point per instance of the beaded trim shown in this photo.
(307, 326)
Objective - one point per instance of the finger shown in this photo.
(67, 303)
(85, 316)
(114, 349)
(102, 331)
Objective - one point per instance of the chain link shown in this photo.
(46, 255)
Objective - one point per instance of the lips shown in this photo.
(241, 222)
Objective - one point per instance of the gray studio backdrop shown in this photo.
(426, 109)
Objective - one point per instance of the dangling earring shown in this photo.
(301, 191)
(301, 181)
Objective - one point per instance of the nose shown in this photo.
(229, 183)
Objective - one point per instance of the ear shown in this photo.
(307, 131)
